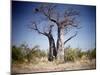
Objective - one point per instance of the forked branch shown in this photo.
(34, 27)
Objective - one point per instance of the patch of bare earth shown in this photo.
(45, 66)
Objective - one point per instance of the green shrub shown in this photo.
(80, 53)
(70, 55)
(91, 53)
(35, 53)
(17, 55)
(25, 54)
(73, 54)
(76, 54)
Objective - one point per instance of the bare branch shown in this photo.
(47, 11)
(73, 22)
(34, 27)
(70, 12)
(69, 18)
(48, 15)
(70, 38)
(69, 22)
(50, 28)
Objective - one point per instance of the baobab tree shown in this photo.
(69, 20)
(48, 33)
(63, 20)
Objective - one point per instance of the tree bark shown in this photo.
(52, 49)
(60, 44)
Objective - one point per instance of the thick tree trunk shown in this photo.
(60, 45)
(52, 49)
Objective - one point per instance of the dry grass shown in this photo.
(45, 66)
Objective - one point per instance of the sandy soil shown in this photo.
(52, 66)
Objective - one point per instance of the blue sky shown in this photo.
(22, 15)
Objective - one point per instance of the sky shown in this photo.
(22, 15)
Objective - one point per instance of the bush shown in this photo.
(25, 54)
(75, 54)
(91, 53)
(70, 55)
(35, 53)
(80, 53)
(17, 55)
